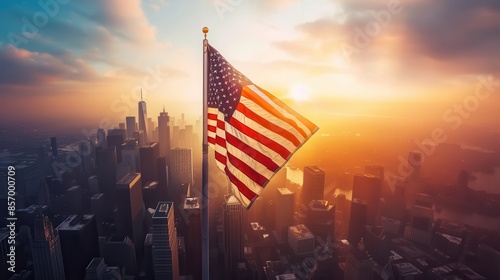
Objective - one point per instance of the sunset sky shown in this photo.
(79, 62)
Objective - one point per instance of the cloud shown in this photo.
(457, 35)
(22, 67)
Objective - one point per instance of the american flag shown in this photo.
(253, 133)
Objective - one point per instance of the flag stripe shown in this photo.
(271, 135)
(252, 152)
(310, 126)
(252, 115)
(254, 163)
(241, 187)
(282, 151)
(247, 170)
(261, 112)
(273, 109)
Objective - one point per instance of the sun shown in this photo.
(299, 93)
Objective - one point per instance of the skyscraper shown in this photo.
(143, 116)
(106, 172)
(233, 236)
(368, 188)
(313, 186)
(164, 133)
(359, 265)
(284, 212)
(148, 155)
(47, 255)
(151, 128)
(79, 244)
(357, 222)
(130, 126)
(116, 137)
(165, 252)
(192, 209)
(180, 172)
(128, 199)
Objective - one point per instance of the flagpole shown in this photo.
(205, 244)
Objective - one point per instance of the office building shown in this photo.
(116, 137)
(106, 171)
(368, 188)
(47, 255)
(131, 155)
(79, 244)
(357, 222)
(359, 266)
(148, 155)
(98, 270)
(143, 117)
(313, 186)
(164, 133)
(192, 213)
(130, 215)
(420, 226)
(232, 232)
(180, 172)
(320, 218)
(74, 200)
(165, 250)
(301, 240)
(120, 252)
(130, 121)
(284, 212)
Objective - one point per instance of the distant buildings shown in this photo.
(164, 133)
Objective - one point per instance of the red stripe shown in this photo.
(241, 187)
(249, 94)
(221, 124)
(247, 170)
(211, 140)
(267, 124)
(212, 128)
(220, 158)
(212, 116)
(311, 126)
(253, 153)
(278, 148)
(220, 141)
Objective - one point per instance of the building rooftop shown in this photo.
(455, 271)
(129, 179)
(97, 196)
(192, 203)
(151, 185)
(314, 169)
(163, 209)
(75, 222)
(285, 191)
(300, 232)
(407, 269)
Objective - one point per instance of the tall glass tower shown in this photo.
(143, 116)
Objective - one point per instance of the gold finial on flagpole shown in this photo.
(205, 31)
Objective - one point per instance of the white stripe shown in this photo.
(257, 109)
(279, 109)
(252, 163)
(264, 131)
(243, 199)
(266, 151)
(248, 182)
